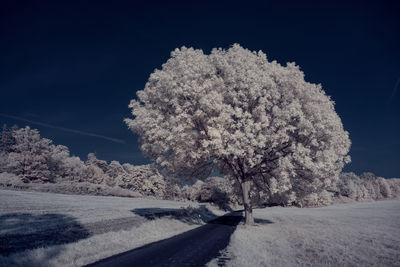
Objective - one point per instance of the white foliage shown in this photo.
(74, 169)
(192, 192)
(10, 180)
(172, 190)
(367, 187)
(221, 191)
(93, 160)
(26, 153)
(394, 185)
(250, 118)
(3, 161)
(33, 158)
(114, 173)
(143, 179)
(6, 139)
(56, 163)
(30, 155)
(94, 174)
(96, 169)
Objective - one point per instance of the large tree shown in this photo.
(236, 112)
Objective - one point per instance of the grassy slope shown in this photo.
(356, 234)
(94, 227)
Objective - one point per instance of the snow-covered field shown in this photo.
(45, 229)
(356, 234)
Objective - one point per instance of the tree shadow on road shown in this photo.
(21, 231)
(257, 221)
(262, 221)
(189, 215)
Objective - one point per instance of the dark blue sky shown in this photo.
(77, 64)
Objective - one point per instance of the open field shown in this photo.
(354, 234)
(45, 229)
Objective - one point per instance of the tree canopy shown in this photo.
(233, 111)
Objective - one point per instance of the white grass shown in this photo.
(356, 234)
(13, 182)
(97, 247)
(110, 222)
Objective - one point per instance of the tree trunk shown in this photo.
(248, 210)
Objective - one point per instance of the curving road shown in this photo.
(192, 248)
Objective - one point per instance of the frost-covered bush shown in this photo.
(7, 139)
(394, 185)
(305, 192)
(211, 189)
(94, 161)
(316, 199)
(85, 188)
(32, 158)
(367, 187)
(114, 173)
(384, 188)
(11, 180)
(192, 192)
(173, 190)
(278, 199)
(74, 169)
(35, 159)
(218, 190)
(348, 185)
(144, 179)
(63, 166)
(3, 161)
(30, 155)
(94, 174)
(56, 162)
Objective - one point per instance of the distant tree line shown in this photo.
(35, 162)
(367, 186)
(34, 159)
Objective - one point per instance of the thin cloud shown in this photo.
(120, 141)
(32, 115)
(396, 86)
